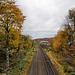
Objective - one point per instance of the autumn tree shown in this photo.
(60, 41)
(27, 42)
(72, 18)
(11, 20)
(70, 26)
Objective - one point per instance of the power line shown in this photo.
(67, 52)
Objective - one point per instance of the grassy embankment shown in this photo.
(26, 62)
(59, 63)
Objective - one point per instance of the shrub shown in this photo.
(66, 67)
(72, 73)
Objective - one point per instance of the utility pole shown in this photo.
(20, 57)
(7, 54)
(20, 67)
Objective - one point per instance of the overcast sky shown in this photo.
(44, 17)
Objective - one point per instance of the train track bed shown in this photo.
(41, 64)
(58, 61)
(49, 66)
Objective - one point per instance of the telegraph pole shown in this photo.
(7, 54)
(20, 57)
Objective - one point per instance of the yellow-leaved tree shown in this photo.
(60, 41)
(11, 20)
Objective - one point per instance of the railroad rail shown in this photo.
(49, 67)
(41, 64)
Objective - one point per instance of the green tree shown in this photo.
(11, 20)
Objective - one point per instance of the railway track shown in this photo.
(41, 64)
(49, 67)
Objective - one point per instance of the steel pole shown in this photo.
(7, 58)
(20, 67)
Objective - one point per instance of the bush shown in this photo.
(71, 70)
(66, 67)
(72, 73)
(1, 70)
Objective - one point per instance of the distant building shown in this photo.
(44, 42)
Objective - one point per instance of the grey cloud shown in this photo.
(44, 16)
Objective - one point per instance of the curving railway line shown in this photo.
(41, 64)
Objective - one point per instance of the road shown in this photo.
(41, 64)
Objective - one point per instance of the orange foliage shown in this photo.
(60, 41)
